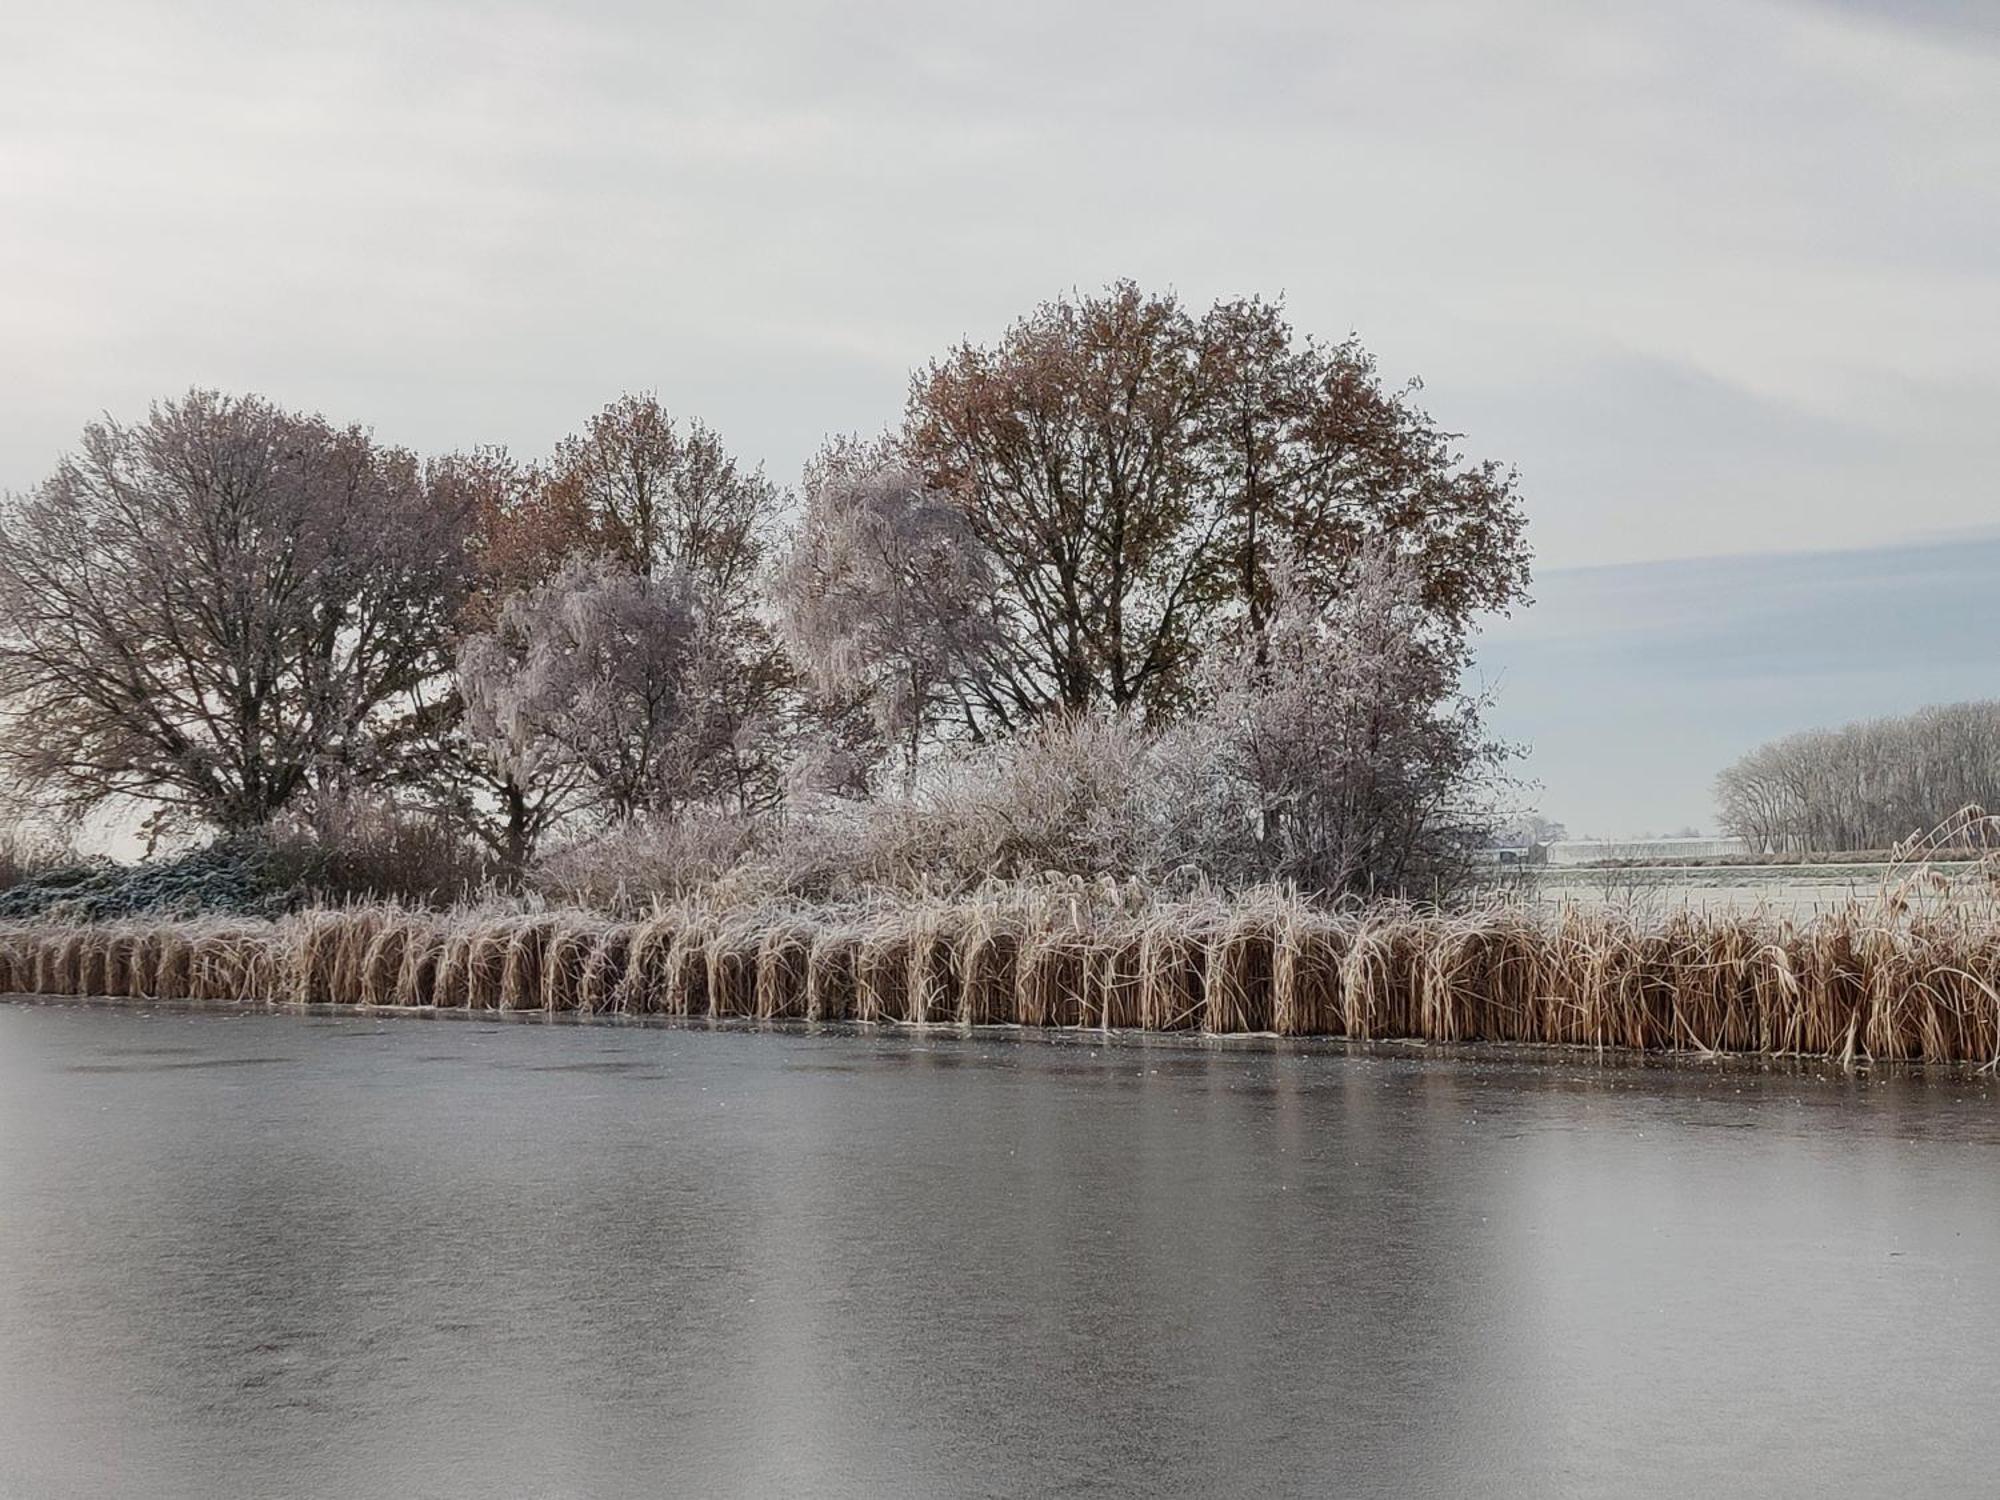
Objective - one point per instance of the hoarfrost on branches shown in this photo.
(882, 597)
(221, 608)
(597, 673)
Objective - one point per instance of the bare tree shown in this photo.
(219, 608)
(659, 498)
(1867, 785)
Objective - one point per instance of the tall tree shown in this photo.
(506, 790)
(219, 608)
(1129, 471)
(522, 528)
(1071, 449)
(666, 498)
(642, 495)
(1313, 455)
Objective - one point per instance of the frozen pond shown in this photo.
(331, 1255)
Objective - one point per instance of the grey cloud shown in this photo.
(1699, 256)
(1966, 19)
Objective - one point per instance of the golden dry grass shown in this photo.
(1892, 979)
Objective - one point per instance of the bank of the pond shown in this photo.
(1878, 981)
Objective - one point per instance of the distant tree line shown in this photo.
(1867, 785)
(1124, 513)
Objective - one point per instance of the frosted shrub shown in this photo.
(1362, 766)
(646, 859)
(1089, 795)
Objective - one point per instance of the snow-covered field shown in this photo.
(1793, 889)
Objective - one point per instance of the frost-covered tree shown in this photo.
(1362, 766)
(602, 686)
(1867, 785)
(219, 608)
(882, 597)
(505, 794)
(667, 497)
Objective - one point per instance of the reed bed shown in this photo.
(1891, 979)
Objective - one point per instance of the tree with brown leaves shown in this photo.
(660, 496)
(1129, 468)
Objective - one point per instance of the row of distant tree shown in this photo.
(1865, 786)
(230, 611)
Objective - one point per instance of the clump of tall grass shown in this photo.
(1893, 978)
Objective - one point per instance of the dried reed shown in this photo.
(1895, 978)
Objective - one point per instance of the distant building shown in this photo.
(1643, 851)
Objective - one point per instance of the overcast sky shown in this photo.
(1719, 277)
